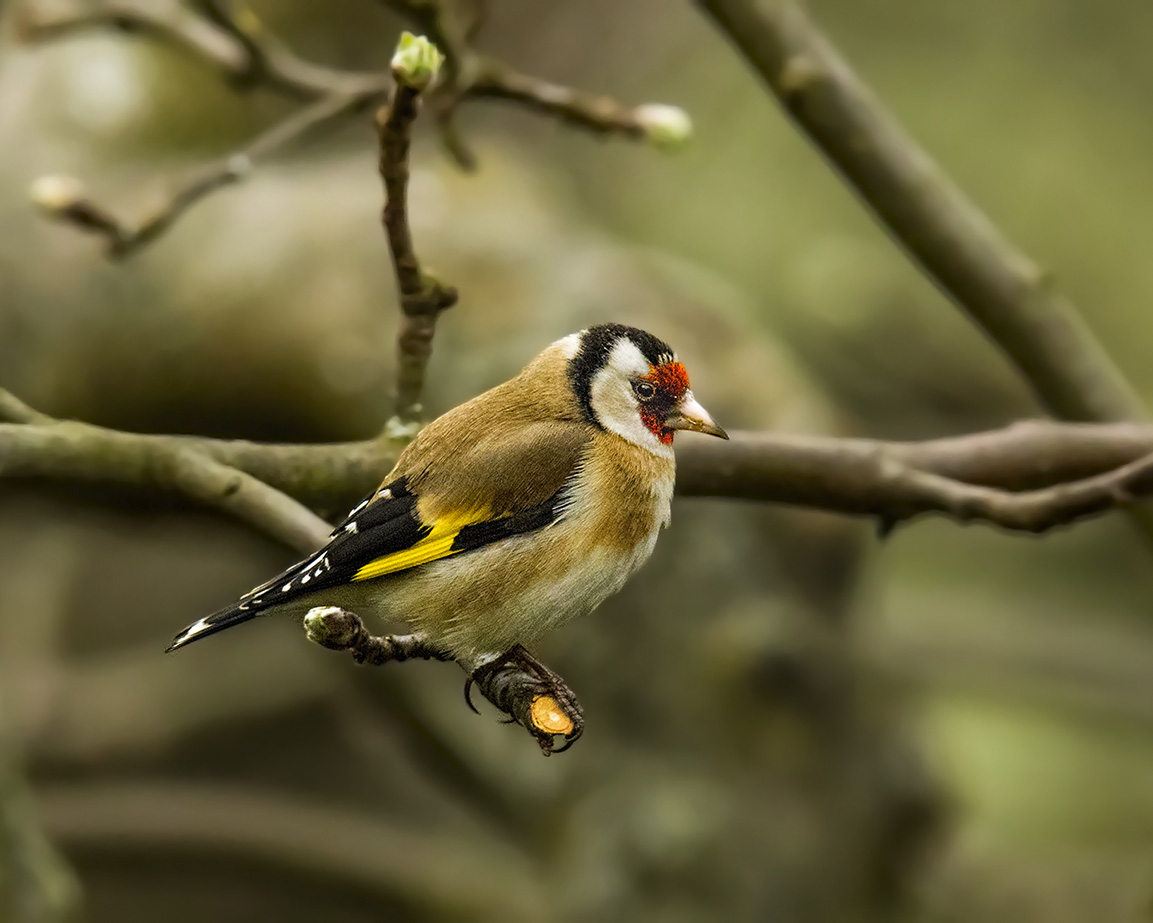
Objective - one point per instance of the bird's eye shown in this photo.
(644, 390)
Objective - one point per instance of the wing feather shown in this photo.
(460, 485)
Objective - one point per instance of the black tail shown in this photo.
(300, 580)
(218, 621)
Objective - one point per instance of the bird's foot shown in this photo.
(517, 683)
(532, 695)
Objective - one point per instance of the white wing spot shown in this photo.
(385, 495)
(195, 629)
(351, 528)
(286, 587)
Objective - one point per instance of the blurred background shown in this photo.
(786, 719)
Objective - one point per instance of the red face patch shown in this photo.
(671, 381)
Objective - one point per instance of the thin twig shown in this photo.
(598, 114)
(229, 50)
(126, 238)
(1033, 511)
(340, 630)
(240, 48)
(422, 296)
(222, 15)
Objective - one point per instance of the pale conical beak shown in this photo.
(689, 414)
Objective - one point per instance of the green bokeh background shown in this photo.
(1020, 669)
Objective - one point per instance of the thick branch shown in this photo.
(76, 451)
(889, 480)
(14, 410)
(1000, 288)
(866, 476)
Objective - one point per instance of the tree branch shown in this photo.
(14, 410)
(879, 481)
(896, 481)
(77, 451)
(1000, 288)
(239, 51)
(238, 46)
(1102, 465)
(422, 297)
(664, 126)
(62, 198)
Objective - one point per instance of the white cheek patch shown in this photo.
(614, 403)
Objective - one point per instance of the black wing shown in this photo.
(382, 534)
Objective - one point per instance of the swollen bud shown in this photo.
(416, 61)
(56, 193)
(667, 127)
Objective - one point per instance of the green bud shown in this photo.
(667, 127)
(416, 61)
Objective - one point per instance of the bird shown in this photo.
(512, 513)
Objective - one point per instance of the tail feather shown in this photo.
(299, 581)
(211, 624)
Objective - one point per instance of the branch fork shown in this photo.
(232, 39)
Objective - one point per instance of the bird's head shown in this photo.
(629, 382)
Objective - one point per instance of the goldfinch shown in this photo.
(513, 513)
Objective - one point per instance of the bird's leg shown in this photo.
(532, 695)
(341, 630)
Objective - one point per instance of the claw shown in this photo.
(468, 684)
(538, 682)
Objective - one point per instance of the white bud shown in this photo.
(416, 61)
(239, 165)
(667, 127)
(55, 193)
(399, 430)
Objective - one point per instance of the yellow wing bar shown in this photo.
(437, 544)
